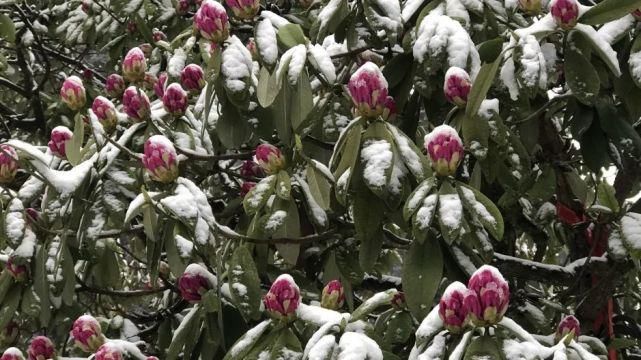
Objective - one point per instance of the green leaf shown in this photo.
(350, 151)
(606, 196)
(476, 132)
(268, 87)
(581, 76)
(291, 35)
(415, 200)
(422, 273)
(232, 127)
(609, 10)
(490, 50)
(450, 231)
(244, 283)
(329, 24)
(397, 328)
(368, 213)
(290, 229)
(621, 133)
(9, 304)
(257, 197)
(483, 347)
(69, 275)
(481, 85)
(7, 28)
(318, 186)
(191, 321)
(73, 147)
(481, 206)
(283, 185)
(286, 345)
(602, 48)
(369, 305)
(41, 285)
(301, 101)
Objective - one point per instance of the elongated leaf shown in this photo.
(41, 285)
(9, 305)
(301, 101)
(283, 185)
(368, 215)
(608, 10)
(481, 85)
(268, 87)
(485, 210)
(291, 35)
(581, 76)
(422, 272)
(257, 197)
(483, 347)
(74, 146)
(287, 345)
(7, 28)
(189, 322)
(244, 283)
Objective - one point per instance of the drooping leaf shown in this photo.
(244, 283)
(422, 272)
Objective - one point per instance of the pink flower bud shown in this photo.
(12, 354)
(193, 78)
(33, 215)
(175, 99)
(159, 86)
(87, 333)
(72, 93)
(333, 296)
(58, 140)
(41, 348)
(246, 187)
(270, 159)
(132, 27)
(244, 9)
(493, 295)
(368, 89)
(9, 334)
(570, 327)
(398, 301)
(212, 21)
(86, 6)
(194, 283)
(565, 13)
(251, 46)
(87, 74)
(530, 6)
(19, 272)
(115, 85)
(451, 309)
(134, 65)
(389, 109)
(149, 81)
(8, 163)
(457, 86)
(146, 49)
(445, 150)
(160, 159)
(283, 298)
(109, 351)
(158, 35)
(136, 104)
(183, 6)
(249, 169)
(106, 112)
(637, 14)
(152, 358)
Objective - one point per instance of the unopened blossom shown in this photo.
(9, 334)
(8, 163)
(568, 326)
(87, 333)
(250, 168)
(132, 27)
(445, 150)
(398, 301)
(530, 6)
(244, 9)
(389, 108)
(457, 85)
(451, 309)
(194, 283)
(109, 351)
(333, 295)
(161, 83)
(192, 78)
(253, 50)
(183, 6)
(270, 158)
(565, 13)
(12, 353)
(115, 85)
(212, 22)
(149, 81)
(368, 89)
(174, 100)
(17, 271)
(283, 298)
(136, 104)
(73, 93)
(106, 113)
(60, 135)
(134, 65)
(160, 159)
(489, 297)
(41, 348)
(637, 14)
(246, 187)
(158, 35)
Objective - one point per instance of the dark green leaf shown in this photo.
(483, 347)
(244, 283)
(581, 76)
(422, 273)
(7, 28)
(609, 10)
(368, 216)
(301, 102)
(189, 322)
(291, 35)
(481, 85)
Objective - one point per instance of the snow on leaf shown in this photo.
(320, 217)
(450, 211)
(635, 67)
(323, 348)
(176, 63)
(320, 316)
(266, 41)
(612, 31)
(409, 152)
(631, 231)
(377, 157)
(602, 47)
(181, 204)
(533, 71)
(249, 338)
(321, 60)
(355, 346)
(478, 208)
(236, 66)
(14, 222)
(425, 214)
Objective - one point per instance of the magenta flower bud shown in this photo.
(194, 283)
(212, 22)
(33, 215)
(270, 158)
(86, 6)
(175, 99)
(250, 168)
(8, 163)
(115, 85)
(457, 85)
(149, 81)
(58, 140)
(570, 327)
(451, 308)
(251, 46)
(398, 301)
(73, 93)
(368, 89)
(159, 86)
(87, 333)
(283, 298)
(152, 358)
(637, 14)
(87, 74)
(9, 334)
(134, 65)
(160, 159)
(565, 13)
(41, 348)
(19, 272)
(12, 354)
(333, 295)
(244, 9)
(132, 27)
(106, 112)
(193, 78)
(530, 6)
(183, 6)
(246, 187)
(109, 351)
(445, 150)
(493, 295)
(136, 104)
(158, 35)
(389, 109)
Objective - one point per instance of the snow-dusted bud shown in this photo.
(212, 22)
(492, 296)
(244, 9)
(246, 187)
(58, 141)
(368, 89)
(160, 159)
(192, 78)
(270, 158)
(398, 301)
(565, 13)
(451, 309)
(87, 333)
(389, 108)
(637, 14)
(8, 163)
(109, 351)
(283, 298)
(159, 86)
(194, 283)
(41, 348)
(106, 113)
(250, 168)
(570, 327)
(73, 93)
(149, 81)
(530, 6)
(333, 296)
(136, 104)
(158, 35)
(114, 85)
(9, 334)
(445, 149)
(174, 100)
(19, 272)
(457, 85)
(183, 6)
(134, 65)
(12, 354)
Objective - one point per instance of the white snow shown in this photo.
(276, 20)
(319, 316)
(258, 192)
(294, 60)
(418, 195)
(317, 212)
(321, 60)
(614, 30)
(266, 41)
(409, 8)
(176, 63)
(197, 269)
(450, 210)
(631, 230)
(436, 350)
(389, 20)
(601, 46)
(355, 346)
(14, 221)
(533, 65)
(430, 325)
(326, 14)
(275, 220)
(508, 77)
(459, 350)
(377, 158)
(410, 157)
(237, 65)
(479, 208)
(181, 204)
(323, 348)
(185, 247)
(27, 247)
(488, 108)
(635, 66)
(425, 214)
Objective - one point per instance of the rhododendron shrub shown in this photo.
(328, 179)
